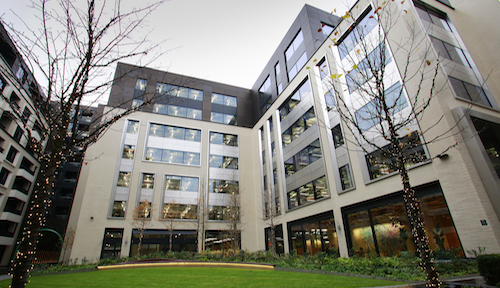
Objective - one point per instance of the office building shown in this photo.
(203, 145)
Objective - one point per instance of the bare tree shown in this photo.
(69, 238)
(378, 110)
(141, 221)
(71, 50)
(201, 218)
(271, 215)
(169, 214)
(232, 215)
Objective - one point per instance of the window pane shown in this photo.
(217, 99)
(361, 233)
(216, 138)
(153, 154)
(191, 158)
(459, 88)
(216, 161)
(193, 113)
(157, 130)
(174, 132)
(193, 135)
(148, 181)
(196, 94)
(119, 209)
(292, 199)
(190, 184)
(123, 179)
(133, 127)
(173, 182)
(217, 117)
(321, 188)
(229, 119)
(183, 92)
(128, 151)
(230, 140)
(160, 108)
(345, 177)
(289, 167)
(230, 101)
(177, 111)
(230, 163)
(172, 156)
(306, 193)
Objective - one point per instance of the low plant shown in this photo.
(488, 267)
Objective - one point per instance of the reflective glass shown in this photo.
(217, 99)
(230, 140)
(191, 158)
(172, 156)
(292, 199)
(119, 209)
(160, 108)
(183, 92)
(177, 111)
(196, 94)
(193, 135)
(148, 181)
(321, 188)
(230, 163)
(123, 179)
(190, 184)
(216, 138)
(229, 119)
(156, 130)
(153, 154)
(174, 132)
(128, 151)
(216, 161)
(306, 193)
(230, 101)
(289, 167)
(193, 113)
(217, 117)
(173, 182)
(133, 127)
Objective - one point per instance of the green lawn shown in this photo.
(197, 277)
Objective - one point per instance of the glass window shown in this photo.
(433, 16)
(119, 209)
(133, 127)
(11, 155)
(193, 135)
(469, 92)
(338, 139)
(192, 113)
(345, 177)
(123, 179)
(230, 163)
(157, 130)
(148, 180)
(216, 138)
(489, 133)
(177, 111)
(174, 132)
(172, 156)
(381, 162)
(190, 184)
(302, 91)
(4, 174)
(230, 140)
(153, 154)
(326, 29)
(303, 123)
(230, 101)
(183, 92)
(367, 116)
(217, 99)
(229, 119)
(308, 193)
(173, 182)
(191, 158)
(128, 151)
(216, 161)
(217, 117)
(160, 108)
(196, 94)
(358, 31)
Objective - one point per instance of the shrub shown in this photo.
(488, 267)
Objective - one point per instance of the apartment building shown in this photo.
(18, 163)
(206, 149)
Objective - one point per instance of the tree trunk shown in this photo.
(33, 222)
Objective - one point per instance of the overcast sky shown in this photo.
(227, 41)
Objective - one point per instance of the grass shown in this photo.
(197, 277)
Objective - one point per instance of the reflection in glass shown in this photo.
(173, 182)
(153, 154)
(133, 127)
(157, 130)
(217, 117)
(123, 179)
(160, 108)
(216, 138)
(193, 113)
(128, 151)
(172, 156)
(119, 209)
(174, 132)
(345, 177)
(190, 184)
(216, 161)
(217, 99)
(177, 111)
(148, 181)
(191, 158)
(361, 233)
